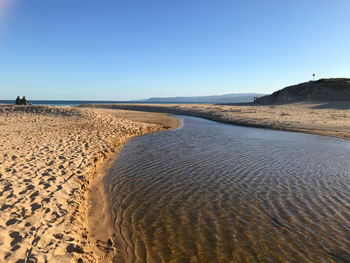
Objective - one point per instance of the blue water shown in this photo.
(67, 102)
(79, 102)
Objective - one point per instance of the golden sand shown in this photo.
(325, 118)
(48, 157)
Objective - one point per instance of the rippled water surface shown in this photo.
(210, 192)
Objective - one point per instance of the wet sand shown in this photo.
(50, 157)
(324, 118)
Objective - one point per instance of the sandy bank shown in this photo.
(325, 118)
(48, 157)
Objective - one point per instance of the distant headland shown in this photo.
(333, 89)
(227, 98)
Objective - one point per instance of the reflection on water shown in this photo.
(211, 192)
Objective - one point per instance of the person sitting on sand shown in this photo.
(24, 101)
(18, 101)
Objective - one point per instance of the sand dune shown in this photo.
(48, 156)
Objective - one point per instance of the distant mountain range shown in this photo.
(333, 89)
(227, 98)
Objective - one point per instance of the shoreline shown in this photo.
(100, 223)
(49, 157)
(321, 118)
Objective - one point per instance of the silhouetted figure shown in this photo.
(18, 101)
(24, 101)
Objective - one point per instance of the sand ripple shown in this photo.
(211, 192)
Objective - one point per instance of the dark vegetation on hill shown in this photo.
(335, 89)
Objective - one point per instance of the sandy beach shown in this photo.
(53, 160)
(49, 158)
(324, 118)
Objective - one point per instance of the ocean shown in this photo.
(66, 102)
(79, 102)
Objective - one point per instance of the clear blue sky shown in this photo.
(132, 49)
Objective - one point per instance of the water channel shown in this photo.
(212, 192)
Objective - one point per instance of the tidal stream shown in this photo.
(211, 192)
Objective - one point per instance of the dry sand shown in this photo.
(48, 157)
(325, 118)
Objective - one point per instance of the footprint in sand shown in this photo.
(11, 221)
(16, 238)
(4, 207)
(52, 178)
(33, 196)
(35, 207)
(30, 187)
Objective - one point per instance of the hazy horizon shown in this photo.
(121, 50)
(235, 95)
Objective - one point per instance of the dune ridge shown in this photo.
(48, 158)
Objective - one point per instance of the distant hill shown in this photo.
(228, 98)
(335, 89)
